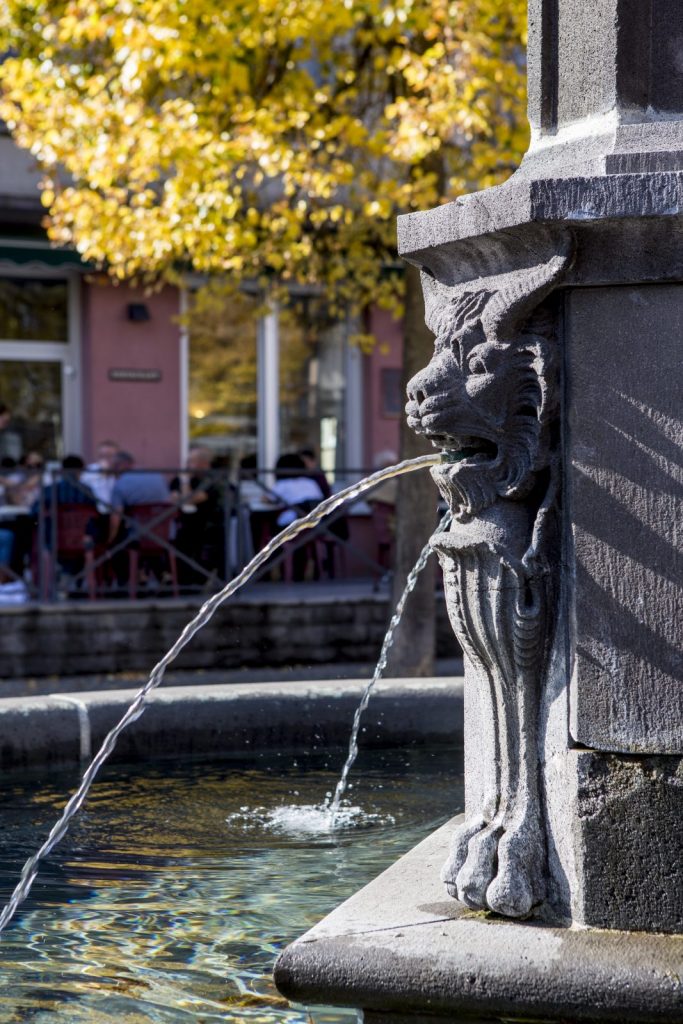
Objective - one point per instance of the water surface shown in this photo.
(178, 885)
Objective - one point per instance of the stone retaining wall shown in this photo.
(111, 636)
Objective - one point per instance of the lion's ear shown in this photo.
(521, 292)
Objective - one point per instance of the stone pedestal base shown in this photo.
(628, 841)
(401, 950)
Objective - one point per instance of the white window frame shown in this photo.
(68, 353)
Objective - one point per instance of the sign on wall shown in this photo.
(124, 374)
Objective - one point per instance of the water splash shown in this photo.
(335, 805)
(205, 613)
(306, 819)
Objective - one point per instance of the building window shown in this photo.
(34, 351)
(308, 398)
(391, 392)
(33, 393)
(32, 310)
(312, 383)
(222, 386)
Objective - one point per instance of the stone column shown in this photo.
(578, 258)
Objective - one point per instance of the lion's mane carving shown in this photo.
(489, 398)
(489, 394)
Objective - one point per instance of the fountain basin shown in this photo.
(177, 885)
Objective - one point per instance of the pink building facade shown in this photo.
(133, 379)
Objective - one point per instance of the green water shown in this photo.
(177, 886)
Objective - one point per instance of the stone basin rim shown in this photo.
(225, 718)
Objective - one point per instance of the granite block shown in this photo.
(628, 839)
(624, 493)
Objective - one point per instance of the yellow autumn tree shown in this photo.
(266, 138)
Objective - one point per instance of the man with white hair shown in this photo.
(99, 475)
(133, 487)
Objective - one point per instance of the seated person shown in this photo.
(257, 518)
(314, 471)
(297, 490)
(294, 488)
(141, 487)
(382, 501)
(200, 520)
(250, 491)
(26, 490)
(99, 475)
(67, 490)
(133, 487)
(9, 477)
(136, 486)
(22, 490)
(338, 525)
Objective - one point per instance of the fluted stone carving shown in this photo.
(490, 399)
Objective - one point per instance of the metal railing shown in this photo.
(72, 544)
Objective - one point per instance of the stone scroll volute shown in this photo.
(490, 399)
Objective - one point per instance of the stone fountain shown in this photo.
(555, 389)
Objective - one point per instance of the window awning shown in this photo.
(45, 255)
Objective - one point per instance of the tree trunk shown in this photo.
(412, 653)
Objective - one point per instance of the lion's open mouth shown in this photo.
(467, 448)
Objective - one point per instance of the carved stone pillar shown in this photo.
(555, 389)
(557, 301)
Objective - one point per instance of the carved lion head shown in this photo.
(489, 396)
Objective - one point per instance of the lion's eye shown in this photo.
(476, 365)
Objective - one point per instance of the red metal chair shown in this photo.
(73, 541)
(308, 560)
(154, 538)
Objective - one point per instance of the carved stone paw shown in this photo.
(497, 866)
(458, 852)
(519, 884)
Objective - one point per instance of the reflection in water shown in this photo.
(174, 891)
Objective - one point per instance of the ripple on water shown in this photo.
(177, 887)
